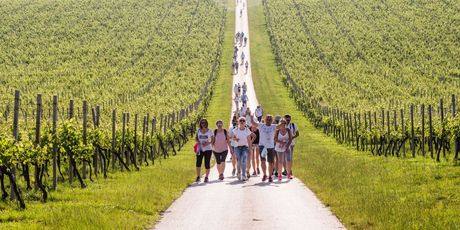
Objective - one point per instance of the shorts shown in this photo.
(286, 155)
(270, 154)
(220, 157)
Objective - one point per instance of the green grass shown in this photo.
(129, 200)
(365, 192)
(125, 200)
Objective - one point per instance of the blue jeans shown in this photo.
(242, 155)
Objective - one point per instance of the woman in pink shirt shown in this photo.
(220, 147)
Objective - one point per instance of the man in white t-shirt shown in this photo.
(267, 142)
(295, 133)
(259, 113)
(235, 89)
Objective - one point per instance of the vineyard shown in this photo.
(378, 75)
(93, 87)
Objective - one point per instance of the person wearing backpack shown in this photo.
(220, 147)
(204, 138)
(294, 133)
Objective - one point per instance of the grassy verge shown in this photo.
(365, 192)
(124, 200)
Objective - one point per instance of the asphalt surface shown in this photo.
(253, 204)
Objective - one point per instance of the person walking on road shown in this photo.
(242, 57)
(294, 133)
(258, 113)
(233, 143)
(246, 65)
(245, 88)
(244, 99)
(266, 145)
(254, 152)
(248, 117)
(283, 140)
(204, 137)
(237, 101)
(243, 138)
(235, 90)
(220, 146)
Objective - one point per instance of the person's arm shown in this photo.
(296, 134)
(251, 137)
(213, 139)
(229, 142)
(253, 123)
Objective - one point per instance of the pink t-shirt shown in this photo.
(220, 143)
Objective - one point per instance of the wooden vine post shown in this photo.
(55, 146)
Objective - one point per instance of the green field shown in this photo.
(364, 192)
(162, 65)
(361, 55)
(128, 55)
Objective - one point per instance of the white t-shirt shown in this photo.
(258, 112)
(235, 89)
(205, 137)
(293, 127)
(267, 135)
(242, 135)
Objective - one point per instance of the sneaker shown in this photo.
(197, 179)
(290, 176)
(264, 178)
(238, 175)
(221, 177)
(233, 172)
(254, 173)
(248, 174)
(206, 180)
(279, 178)
(270, 179)
(258, 171)
(284, 173)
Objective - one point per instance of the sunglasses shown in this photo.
(242, 121)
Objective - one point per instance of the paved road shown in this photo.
(231, 204)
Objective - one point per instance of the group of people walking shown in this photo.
(251, 140)
(251, 143)
(240, 96)
(236, 64)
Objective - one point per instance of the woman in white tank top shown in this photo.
(283, 139)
